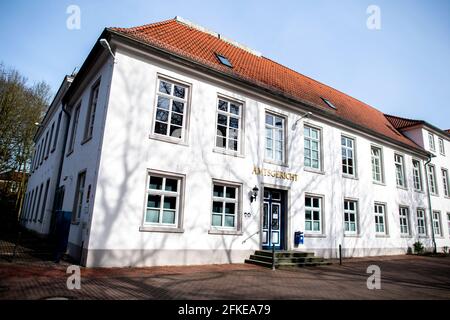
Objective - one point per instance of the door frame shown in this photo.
(286, 205)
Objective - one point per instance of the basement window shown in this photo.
(329, 103)
(223, 60)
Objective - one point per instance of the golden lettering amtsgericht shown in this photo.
(276, 174)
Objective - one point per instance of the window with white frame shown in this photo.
(171, 109)
(229, 125)
(437, 223)
(225, 206)
(404, 220)
(275, 127)
(431, 141)
(445, 182)
(313, 214)
(51, 136)
(448, 222)
(400, 170)
(58, 124)
(90, 117)
(432, 179)
(441, 146)
(348, 156)
(421, 226)
(350, 217)
(73, 133)
(163, 200)
(377, 163)
(380, 218)
(78, 199)
(417, 175)
(312, 147)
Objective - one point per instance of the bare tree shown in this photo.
(21, 106)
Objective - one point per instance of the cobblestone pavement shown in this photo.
(402, 277)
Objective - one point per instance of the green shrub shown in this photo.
(418, 247)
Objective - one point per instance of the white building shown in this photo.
(160, 150)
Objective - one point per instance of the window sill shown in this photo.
(69, 153)
(402, 188)
(346, 176)
(315, 235)
(75, 223)
(434, 194)
(423, 236)
(176, 141)
(86, 140)
(225, 232)
(406, 236)
(379, 183)
(352, 235)
(308, 169)
(53, 150)
(161, 229)
(228, 153)
(382, 236)
(276, 163)
(419, 191)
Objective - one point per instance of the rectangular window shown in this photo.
(400, 170)
(431, 141)
(421, 226)
(163, 200)
(445, 182)
(58, 124)
(42, 151)
(350, 217)
(275, 126)
(90, 117)
(74, 128)
(348, 156)
(171, 107)
(437, 223)
(417, 175)
(229, 125)
(44, 201)
(377, 163)
(33, 204)
(312, 148)
(52, 131)
(78, 200)
(448, 222)
(225, 205)
(46, 150)
(432, 179)
(380, 218)
(38, 202)
(33, 159)
(313, 214)
(441, 146)
(404, 220)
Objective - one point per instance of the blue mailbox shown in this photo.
(298, 238)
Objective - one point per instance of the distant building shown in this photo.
(192, 149)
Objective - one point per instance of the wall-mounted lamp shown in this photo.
(306, 115)
(254, 194)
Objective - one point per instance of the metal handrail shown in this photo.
(250, 237)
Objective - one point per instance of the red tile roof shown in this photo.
(401, 123)
(200, 46)
(448, 130)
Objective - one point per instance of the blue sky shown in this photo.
(401, 69)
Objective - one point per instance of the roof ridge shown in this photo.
(144, 26)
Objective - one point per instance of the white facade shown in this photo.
(124, 150)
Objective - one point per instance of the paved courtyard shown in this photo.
(402, 277)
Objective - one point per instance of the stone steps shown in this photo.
(286, 259)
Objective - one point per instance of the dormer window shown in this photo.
(329, 103)
(224, 60)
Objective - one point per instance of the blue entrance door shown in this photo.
(273, 220)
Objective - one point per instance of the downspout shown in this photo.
(61, 161)
(429, 201)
